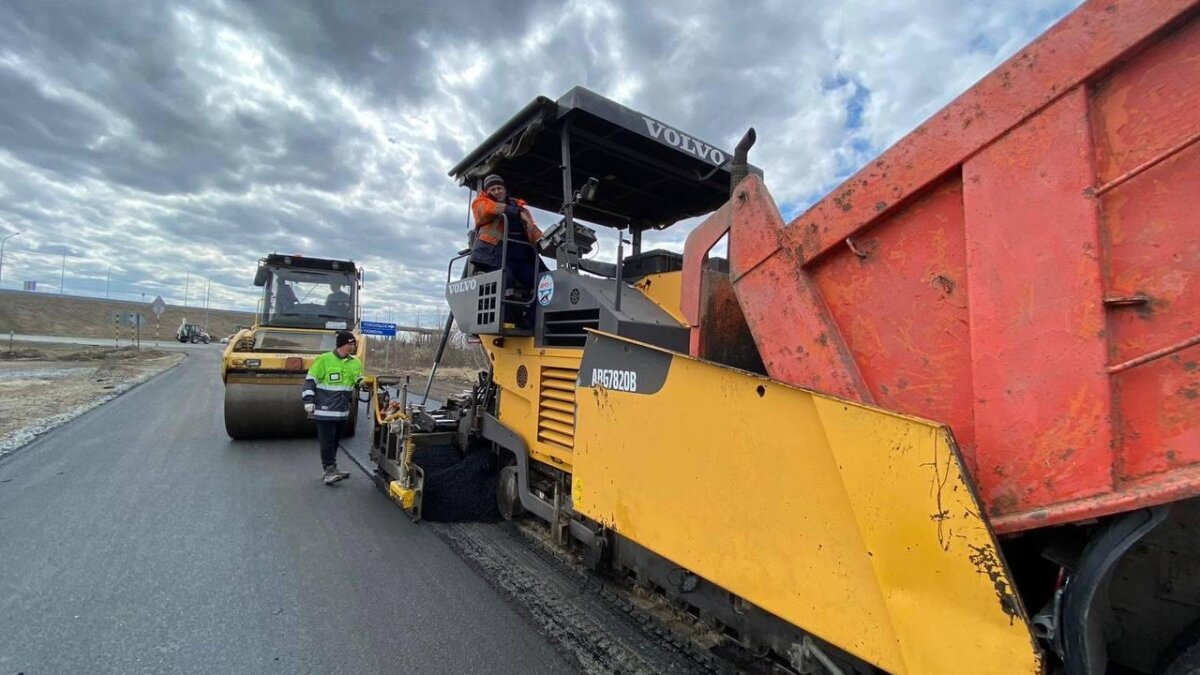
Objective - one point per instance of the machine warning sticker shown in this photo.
(545, 290)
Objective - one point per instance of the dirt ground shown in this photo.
(449, 381)
(46, 385)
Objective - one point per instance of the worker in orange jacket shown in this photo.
(489, 207)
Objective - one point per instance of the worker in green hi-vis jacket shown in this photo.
(329, 390)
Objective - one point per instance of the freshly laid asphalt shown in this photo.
(139, 539)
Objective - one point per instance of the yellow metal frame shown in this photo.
(664, 289)
(403, 496)
(234, 361)
(520, 405)
(856, 524)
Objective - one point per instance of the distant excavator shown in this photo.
(305, 301)
(193, 333)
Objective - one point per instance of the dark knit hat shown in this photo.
(344, 337)
(491, 180)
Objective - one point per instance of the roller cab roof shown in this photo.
(650, 174)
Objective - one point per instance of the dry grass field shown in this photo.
(73, 316)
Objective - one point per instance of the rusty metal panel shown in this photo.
(1147, 106)
(797, 338)
(898, 293)
(1043, 418)
(1153, 257)
(1154, 254)
(1160, 412)
(1147, 128)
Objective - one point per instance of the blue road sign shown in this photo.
(376, 328)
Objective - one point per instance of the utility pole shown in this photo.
(207, 288)
(62, 280)
(186, 285)
(107, 279)
(2, 243)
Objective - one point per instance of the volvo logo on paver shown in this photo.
(677, 138)
(621, 380)
(463, 286)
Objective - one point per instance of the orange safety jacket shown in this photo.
(489, 226)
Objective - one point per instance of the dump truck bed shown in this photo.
(1024, 266)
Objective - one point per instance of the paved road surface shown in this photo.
(139, 539)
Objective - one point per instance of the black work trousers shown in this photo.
(329, 432)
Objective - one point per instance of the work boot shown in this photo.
(332, 475)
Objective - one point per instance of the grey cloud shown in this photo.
(199, 135)
(134, 66)
(386, 47)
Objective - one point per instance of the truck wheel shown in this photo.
(1187, 663)
(1184, 653)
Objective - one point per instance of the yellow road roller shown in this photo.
(305, 301)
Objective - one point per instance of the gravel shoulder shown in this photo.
(449, 381)
(46, 385)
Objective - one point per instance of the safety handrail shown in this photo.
(450, 267)
(504, 262)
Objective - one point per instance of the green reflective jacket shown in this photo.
(330, 385)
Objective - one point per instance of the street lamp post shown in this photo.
(2, 242)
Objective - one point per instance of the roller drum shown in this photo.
(265, 411)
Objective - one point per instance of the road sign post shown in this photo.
(377, 328)
(158, 307)
(135, 320)
(387, 331)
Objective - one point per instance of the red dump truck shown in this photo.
(1025, 267)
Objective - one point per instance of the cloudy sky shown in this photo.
(163, 147)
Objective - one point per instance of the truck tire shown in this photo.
(1183, 656)
(1186, 663)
